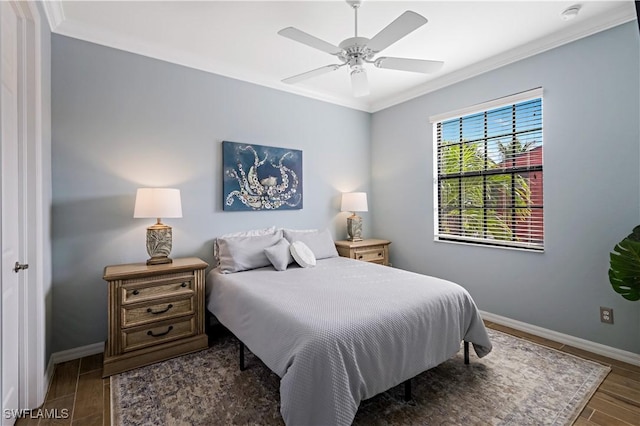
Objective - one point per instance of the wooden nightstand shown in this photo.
(375, 251)
(155, 312)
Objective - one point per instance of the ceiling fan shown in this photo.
(357, 51)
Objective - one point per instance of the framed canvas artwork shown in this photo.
(258, 177)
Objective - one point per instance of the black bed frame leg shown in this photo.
(407, 390)
(466, 352)
(242, 367)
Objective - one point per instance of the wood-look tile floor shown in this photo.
(79, 387)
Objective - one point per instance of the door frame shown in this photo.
(37, 214)
(33, 382)
(34, 193)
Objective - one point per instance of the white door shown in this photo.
(10, 210)
(24, 201)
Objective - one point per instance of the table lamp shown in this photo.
(354, 202)
(158, 203)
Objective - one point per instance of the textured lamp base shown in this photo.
(354, 228)
(159, 239)
(159, 260)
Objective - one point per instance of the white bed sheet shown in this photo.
(344, 331)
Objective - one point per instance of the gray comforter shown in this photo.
(344, 331)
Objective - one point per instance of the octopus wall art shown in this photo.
(258, 177)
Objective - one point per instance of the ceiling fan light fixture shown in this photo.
(355, 62)
(359, 82)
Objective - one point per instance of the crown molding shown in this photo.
(55, 13)
(620, 16)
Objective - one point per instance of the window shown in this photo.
(488, 173)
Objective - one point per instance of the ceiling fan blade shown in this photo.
(305, 75)
(359, 83)
(404, 24)
(311, 41)
(406, 64)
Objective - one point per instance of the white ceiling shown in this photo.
(239, 38)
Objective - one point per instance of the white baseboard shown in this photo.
(587, 345)
(48, 376)
(75, 353)
(68, 355)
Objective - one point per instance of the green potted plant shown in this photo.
(624, 271)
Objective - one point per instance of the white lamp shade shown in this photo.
(158, 203)
(354, 202)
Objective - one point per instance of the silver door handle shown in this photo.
(19, 266)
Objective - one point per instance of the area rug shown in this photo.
(518, 383)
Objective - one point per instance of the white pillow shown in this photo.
(250, 233)
(279, 254)
(302, 254)
(320, 242)
(243, 253)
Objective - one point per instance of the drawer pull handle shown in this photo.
(360, 257)
(151, 311)
(379, 254)
(150, 333)
(183, 285)
(136, 292)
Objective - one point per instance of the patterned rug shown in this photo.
(518, 383)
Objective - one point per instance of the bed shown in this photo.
(344, 330)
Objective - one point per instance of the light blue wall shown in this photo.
(123, 121)
(591, 189)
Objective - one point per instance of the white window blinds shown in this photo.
(489, 174)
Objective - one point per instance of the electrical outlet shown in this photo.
(606, 315)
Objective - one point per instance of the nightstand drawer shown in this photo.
(370, 254)
(154, 311)
(157, 333)
(140, 290)
(370, 250)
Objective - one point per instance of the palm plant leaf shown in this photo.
(624, 271)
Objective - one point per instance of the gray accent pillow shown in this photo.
(320, 242)
(250, 233)
(243, 253)
(279, 255)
